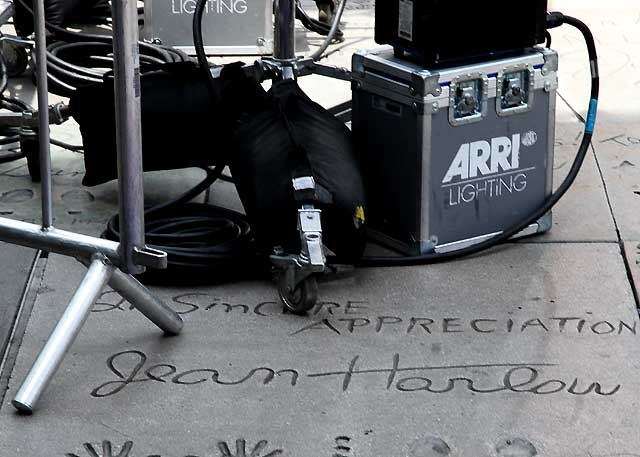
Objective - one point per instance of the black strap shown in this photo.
(285, 94)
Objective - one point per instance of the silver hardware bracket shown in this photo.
(468, 99)
(150, 257)
(515, 90)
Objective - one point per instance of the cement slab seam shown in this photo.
(620, 241)
(20, 325)
(538, 241)
(627, 264)
(4, 347)
(573, 110)
(625, 258)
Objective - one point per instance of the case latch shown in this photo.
(515, 90)
(468, 99)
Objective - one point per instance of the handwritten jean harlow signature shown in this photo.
(130, 368)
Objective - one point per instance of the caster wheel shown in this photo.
(29, 147)
(16, 58)
(302, 299)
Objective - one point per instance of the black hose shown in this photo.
(204, 243)
(12, 135)
(4, 77)
(77, 59)
(553, 20)
(198, 44)
(8, 135)
(64, 145)
(78, 63)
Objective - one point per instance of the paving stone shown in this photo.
(586, 201)
(617, 148)
(15, 264)
(477, 332)
(616, 138)
(75, 206)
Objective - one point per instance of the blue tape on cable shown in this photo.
(591, 116)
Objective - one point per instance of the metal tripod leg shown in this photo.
(63, 335)
(100, 272)
(139, 296)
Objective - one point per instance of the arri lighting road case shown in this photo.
(229, 27)
(456, 155)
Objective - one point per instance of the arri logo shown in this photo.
(488, 167)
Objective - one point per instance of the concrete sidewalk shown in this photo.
(529, 349)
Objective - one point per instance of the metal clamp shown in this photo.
(310, 229)
(468, 98)
(150, 257)
(58, 114)
(515, 90)
(17, 41)
(282, 69)
(308, 66)
(311, 259)
(297, 285)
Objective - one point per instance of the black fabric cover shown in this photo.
(287, 135)
(267, 138)
(183, 124)
(60, 13)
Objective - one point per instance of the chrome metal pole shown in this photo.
(63, 335)
(55, 240)
(43, 114)
(128, 130)
(153, 308)
(285, 26)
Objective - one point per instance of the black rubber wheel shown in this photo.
(29, 147)
(302, 299)
(16, 59)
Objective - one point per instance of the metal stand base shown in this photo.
(64, 334)
(131, 254)
(105, 258)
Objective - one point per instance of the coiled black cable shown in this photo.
(13, 135)
(75, 59)
(9, 135)
(553, 20)
(204, 243)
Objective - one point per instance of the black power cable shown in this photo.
(198, 43)
(9, 135)
(204, 243)
(75, 59)
(13, 135)
(553, 20)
